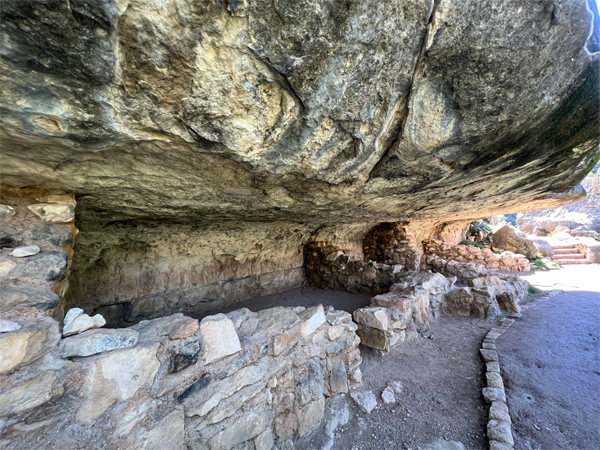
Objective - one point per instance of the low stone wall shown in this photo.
(241, 380)
(590, 248)
(502, 262)
(36, 247)
(329, 267)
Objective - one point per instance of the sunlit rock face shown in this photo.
(207, 142)
(317, 111)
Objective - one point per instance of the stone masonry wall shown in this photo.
(36, 247)
(503, 262)
(329, 267)
(392, 243)
(241, 380)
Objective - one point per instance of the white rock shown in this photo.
(83, 323)
(8, 325)
(71, 315)
(21, 252)
(220, 338)
(388, 395)
(396, 387)
(93, 342)
(312, 318)
(54, 212)
(365, 400)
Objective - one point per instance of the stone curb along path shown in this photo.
(499, 422)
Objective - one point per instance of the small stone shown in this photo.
(220, 338)
(338, 317)
(92, 342)
(22, 252)
(488, 355)
(499, 430)
(83, 323)
(272, 383)
(185, 330)
(492, 366)
(499, 411)
(356, 376)
(6, 213)
(388, 395)
(8, 325)
(442, 444)
(9, 237)
(494, 380)
(492, 394)
(497, 445)
(365, 400)
(299, 309)
(54, 212)
(334, 333)
(488, 346)
(492, 336)
(312, 318)
(184, 357)
(396, 387)
(71, 315)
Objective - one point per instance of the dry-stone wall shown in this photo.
(329, 267)
(36, 246)
(502, 262)
(392, 243)
(245, 378)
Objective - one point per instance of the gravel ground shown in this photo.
(550, 360)
(441, 376)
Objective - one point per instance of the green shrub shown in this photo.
(533, 290)
(473, 243)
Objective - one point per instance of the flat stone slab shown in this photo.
(493, 394)
(22, 252)
(220, 337)
(488, 355)
(97, 341)
(499, 430)
(312, 318)
(365, 400)
(8, 325)
(83, 323)
(54, 212)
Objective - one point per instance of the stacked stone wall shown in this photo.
(329, 267)
(500, 262)
(392, 243)
(37, 234)
(249, 379)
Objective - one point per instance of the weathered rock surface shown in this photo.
(309, 113)
(97, 341)
(83, 323)
(220, 338)
(22, 252)
(506, 238)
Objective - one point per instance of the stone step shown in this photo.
(570, 256)
(558, 247)
(564, 262)
(565, 251)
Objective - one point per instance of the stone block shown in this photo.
(92, 342)
(33, 340)
(184, 329)
(488, 355)
(498, 430)
(220, 338)
(373, 317)
(42, 298)
(310, 415)
(492, 366)
(499, 411)
(54, 212)
(338, 317)
(494, 380)
(32, 393)
(45, 266)
(312, 318)
(82, 323)
(338, 378)
(492, 394)
(264, 441)
(243, 429)
(310, 382)
(115, 376)
(185, 356)
(374, 338)
(497, 445)
(55, 234)
(365, 400)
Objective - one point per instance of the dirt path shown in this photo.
(550, 360)
(441, 376)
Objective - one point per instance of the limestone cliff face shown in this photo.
(304, 111)
(208, 141)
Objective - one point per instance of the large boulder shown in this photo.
(506, 239)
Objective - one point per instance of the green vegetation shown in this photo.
(473, 243)
(533, 290)
(480, 225)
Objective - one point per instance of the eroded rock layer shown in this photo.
(299, 111)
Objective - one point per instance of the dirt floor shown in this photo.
(441, 375)
(550, 360)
